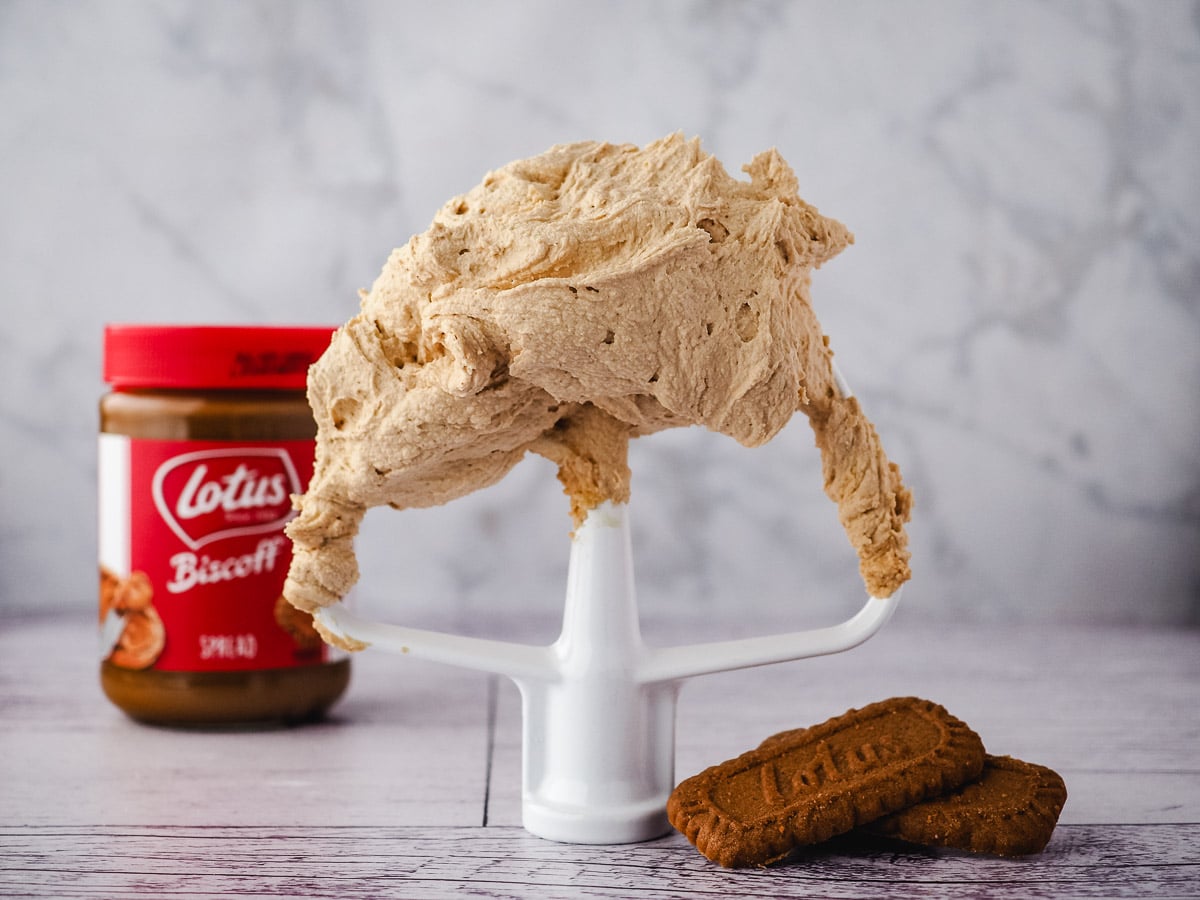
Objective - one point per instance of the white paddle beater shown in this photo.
(598, 704)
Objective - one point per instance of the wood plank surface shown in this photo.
(412, 787)
(407, 746)
(359, 862)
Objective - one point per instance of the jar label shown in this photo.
(193, 556)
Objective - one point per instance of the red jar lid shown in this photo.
(237, 357)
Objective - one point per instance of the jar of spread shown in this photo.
(205, 435)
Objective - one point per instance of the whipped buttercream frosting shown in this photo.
(568, 303)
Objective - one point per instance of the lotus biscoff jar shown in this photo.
(205, 435)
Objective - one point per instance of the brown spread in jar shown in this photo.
(205, 437)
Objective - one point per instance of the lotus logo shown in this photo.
(215, 494)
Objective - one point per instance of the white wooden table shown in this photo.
(411, 788)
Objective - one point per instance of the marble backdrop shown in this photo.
(1020, 314)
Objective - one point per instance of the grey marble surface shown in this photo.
(1020, 314)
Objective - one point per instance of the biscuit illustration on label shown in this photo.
(142, 636)
(1010, 811)
(298, 624)
(807, 785)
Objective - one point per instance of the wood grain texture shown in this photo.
(407, 746)
(360, 862)
(412, 788)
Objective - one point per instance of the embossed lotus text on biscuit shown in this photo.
(780, 781)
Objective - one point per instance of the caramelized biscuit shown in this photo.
(108, 591)
(298, 624)
(1010, 811)
(141, 641)
(807, 785)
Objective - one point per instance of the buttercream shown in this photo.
(568, 303)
